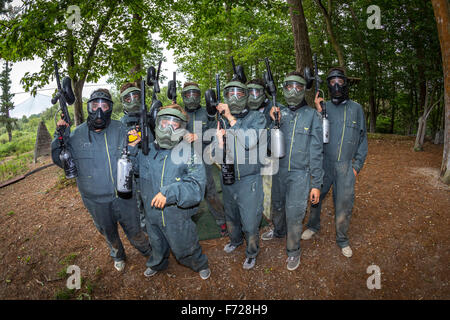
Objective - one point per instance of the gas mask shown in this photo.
(236, 94)
(131, 99)
(99, 108)
(191, 97)
(338, 86)
(294, 90)
(170, 127)
(256, 96)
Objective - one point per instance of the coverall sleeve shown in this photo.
(361, 152)
(316, 152)
(190, 190)
(56, 147)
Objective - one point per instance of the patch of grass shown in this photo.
(65, 294)
(14, 167)
(63, 183)
(10, 214)
(62, 273)
(69, 259)
(387, 136)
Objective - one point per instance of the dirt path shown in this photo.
(400, 223)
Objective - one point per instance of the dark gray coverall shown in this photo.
(346, 150)
(300, 171)
(243, 200)
(200, 117)
(95, 155)
(172, 228)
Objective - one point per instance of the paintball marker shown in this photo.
(277, 137)
(309, 79)
(238, 73)
(211, 107)
(172, 88)
(153, 80)
(64, 96)
(147, 119)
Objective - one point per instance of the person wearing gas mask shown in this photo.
(243, 200)
(130, 97)
(172, 189)
(300, 172)
(344, 157)
(258, 101)
(96, 146)
(199, 122)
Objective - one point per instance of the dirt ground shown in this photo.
(400, 223)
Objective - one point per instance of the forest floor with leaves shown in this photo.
(400, 223)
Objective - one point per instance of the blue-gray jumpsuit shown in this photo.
(300, 170)
(198, 123)
(347, 149)
(171, 228)
(95, 155)
(243, 200)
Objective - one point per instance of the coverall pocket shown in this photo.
(84, 160)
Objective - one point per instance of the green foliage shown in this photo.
(14, 167)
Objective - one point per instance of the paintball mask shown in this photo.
(338, 85)
(99, 107)
(256, 96)
(235, 94)
(191, 97)
(294, 90)
(170, 127)
(131, 99)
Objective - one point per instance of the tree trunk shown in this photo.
(303, 55)
(391, 129)
(78, 105)
(334, 42)
(442, 14)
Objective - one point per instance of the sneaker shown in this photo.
(150, 272)
(205, 273)
(229, 248)
(223, 230)
(249, 263)
(347, 251)
(119, 265)
(267, 235)
(307, 234)
(293, 263)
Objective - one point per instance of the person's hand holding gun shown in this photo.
(135, 135)
(317, 102)
(272, 113)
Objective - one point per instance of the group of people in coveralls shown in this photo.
(167, 192)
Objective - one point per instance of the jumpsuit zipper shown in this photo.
(237, 159)
(109, 162)
(162, 176)
(343, 131)
(292, 142)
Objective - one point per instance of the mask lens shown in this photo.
(133, 96)
(234, 92)
(169, 121)
(337, 80)
(256, 93)
(191, 93)
(105, 105)
(293, 85)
